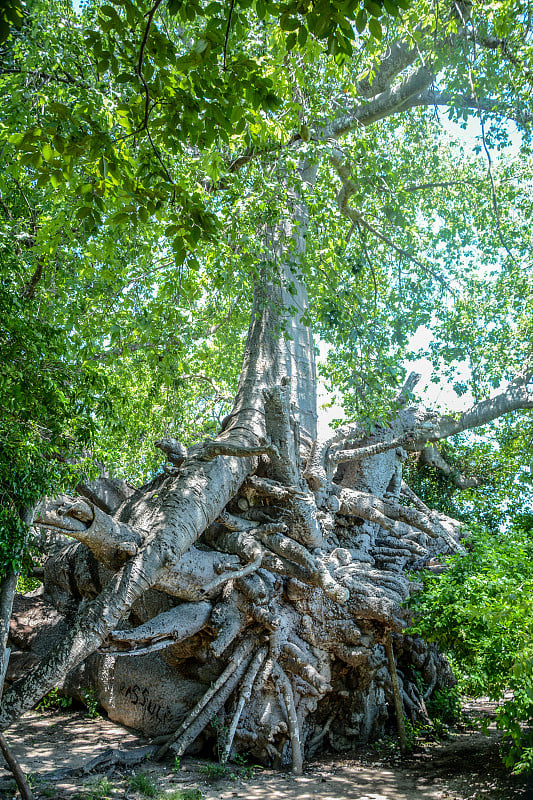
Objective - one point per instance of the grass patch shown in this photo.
(143, 784)
(101, 790)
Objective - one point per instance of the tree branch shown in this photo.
(399, 56)
(432, 457)
(515, 398)
(490, 105)
(388, 102)
(348, 189)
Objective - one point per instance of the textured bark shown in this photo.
(253, 623)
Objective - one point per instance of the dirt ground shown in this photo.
(464, 766)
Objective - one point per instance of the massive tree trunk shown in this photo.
(256, 580)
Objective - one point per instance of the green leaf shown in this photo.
(374, 26)
(360, 20)
(373, 8)
(288, 23)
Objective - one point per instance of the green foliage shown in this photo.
(144, 154)
(480, 611)
(176, 766)
(26, 583)
(215, 771)
(122, 258)
(101, 789)
(445, 705)
(91, 701)
(47, 408)
(11, 16)
(53, 701)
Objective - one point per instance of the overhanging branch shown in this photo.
(515, 398)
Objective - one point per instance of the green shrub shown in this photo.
(101, 790)
(445, 705)
(53, 701)
(91, 701)
(480, 611)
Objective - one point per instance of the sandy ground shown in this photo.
(466, 766)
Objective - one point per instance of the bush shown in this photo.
(480, 611)
(445, 705)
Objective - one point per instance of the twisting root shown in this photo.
(278, 553)
(284, 546)
(244, 696)
(274, 649)
(329, 585)
(227, 619)
(317, 739)
(283, 684)
(230, 677)
(231, 575)
(264, 487)
(298, 663)
(265, 617)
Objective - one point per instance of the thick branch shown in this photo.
(398, 57)
(389, 102)
(161, 631)
(516, 397)
(490, 105)
(111, 542)
(399, 520)
(212, 448)
(432, 457)
(175, 517)
(359, 453)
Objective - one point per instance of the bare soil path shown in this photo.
(465, 766)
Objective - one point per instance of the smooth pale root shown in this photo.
(169, 627)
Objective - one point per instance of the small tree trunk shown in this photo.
(396, 694)
(7, 593)
(12, 763)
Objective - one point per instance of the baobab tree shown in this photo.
(258, 577)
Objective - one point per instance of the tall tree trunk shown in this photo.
(280, 342)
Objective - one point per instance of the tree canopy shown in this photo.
(142, 150)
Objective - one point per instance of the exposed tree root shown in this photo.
(286, 691)
(212, 700)
(244, 696)
(270, 610)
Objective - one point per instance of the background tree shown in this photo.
(173, 173)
